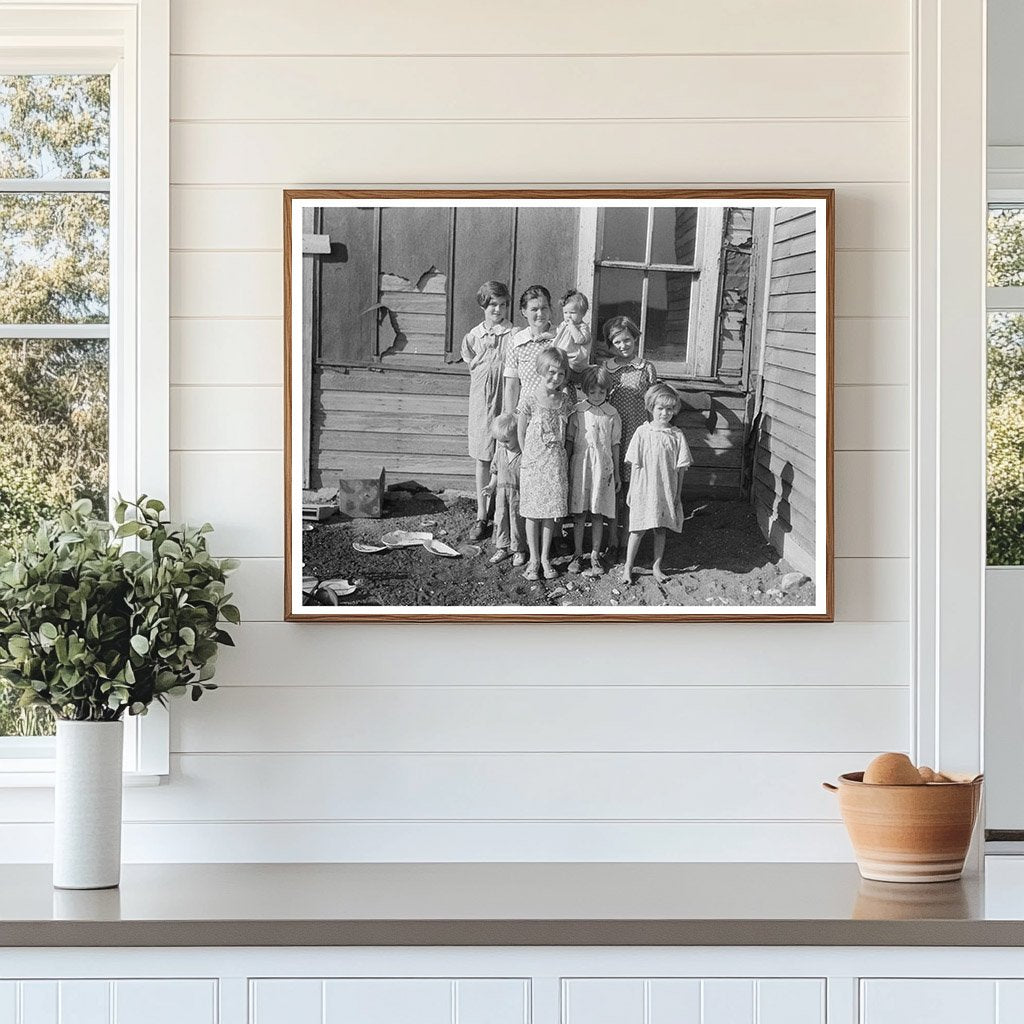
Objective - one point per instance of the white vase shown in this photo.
(87, 805)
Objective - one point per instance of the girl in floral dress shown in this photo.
(631, 376)
(545, 435)
(483, 351)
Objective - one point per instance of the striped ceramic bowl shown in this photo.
(909, 833)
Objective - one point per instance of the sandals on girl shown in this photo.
(532, 572)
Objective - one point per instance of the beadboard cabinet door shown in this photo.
(101, 1001)
(388, 1001)
(942, 1001)
(693, 1001)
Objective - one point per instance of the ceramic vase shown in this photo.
(87, 805)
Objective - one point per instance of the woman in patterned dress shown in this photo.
(521, 376)
(631, 376)
(545, 434)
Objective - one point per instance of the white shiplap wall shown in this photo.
(679, 741)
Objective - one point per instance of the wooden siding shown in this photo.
(783, 471)
(414, 423)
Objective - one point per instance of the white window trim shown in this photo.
(949, 324)
(131, 41)
(707, 260)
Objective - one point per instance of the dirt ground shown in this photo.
(719, 559)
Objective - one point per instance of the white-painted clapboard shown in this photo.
(389, 1001)
(693, 1001)
(95, 1001)
(536, 742)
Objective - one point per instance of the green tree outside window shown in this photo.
(54, 308)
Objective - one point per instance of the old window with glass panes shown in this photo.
(55, 142)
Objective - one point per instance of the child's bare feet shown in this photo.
(532, 572)
(626, 579)
(550, 572)
(659, 574)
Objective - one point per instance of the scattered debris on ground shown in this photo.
(719, 560)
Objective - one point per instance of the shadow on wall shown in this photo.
(782, 510)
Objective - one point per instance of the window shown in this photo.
(651, 266)
(1005, 476)
(54, 308)
(83, 263)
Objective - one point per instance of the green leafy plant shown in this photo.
(92, 630)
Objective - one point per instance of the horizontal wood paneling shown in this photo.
(571, 152)
(759, 654)
(492, 719)
(577, 111)
(321, 26)
(464, 841)
(281, 88)
(445, 786)
(227, 418)
(242, 493)
(872, 499)
(227, 352)
(868, 216)
(875, 418)
(872, 350)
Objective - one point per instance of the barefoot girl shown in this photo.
(595, 465)
(509, 535)
(631, 376)
(483, 350)
(545, 433)
(659, 455)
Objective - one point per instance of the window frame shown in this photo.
(707, 261)
(130, 41)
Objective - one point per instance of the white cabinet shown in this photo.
(389, 1001)
(96, 1001)
(942, 1001)
(693, 1001)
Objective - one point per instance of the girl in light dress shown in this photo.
(483, 350)
(631, 377)
(595, 477)
(659, 456)
(545, 435)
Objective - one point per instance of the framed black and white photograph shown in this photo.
(568, 405)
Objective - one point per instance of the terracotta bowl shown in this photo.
(909, 833)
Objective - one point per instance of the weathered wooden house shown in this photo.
(724, 297)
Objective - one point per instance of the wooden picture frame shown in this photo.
(379, 286)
